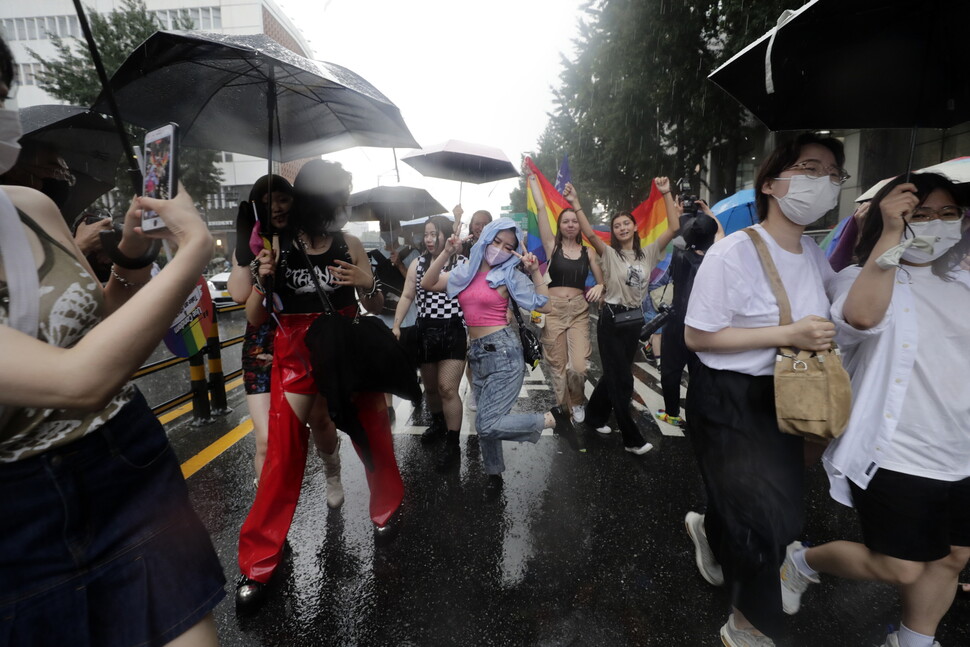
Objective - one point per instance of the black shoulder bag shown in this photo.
(531, 348)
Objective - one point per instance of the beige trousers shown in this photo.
(565, 345)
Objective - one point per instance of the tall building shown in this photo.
(27, 28)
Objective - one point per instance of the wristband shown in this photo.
(374, 288)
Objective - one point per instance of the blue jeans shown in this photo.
(497, 374)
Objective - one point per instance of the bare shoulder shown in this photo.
(42, 211)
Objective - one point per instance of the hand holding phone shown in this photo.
(159, 171)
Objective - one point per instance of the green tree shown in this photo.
(70, 76)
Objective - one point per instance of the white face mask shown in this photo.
(808, 199)
(496, 255)
(944, 234)
(9, 135)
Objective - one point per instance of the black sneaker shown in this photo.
(564, 427)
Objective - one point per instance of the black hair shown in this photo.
(261, 187)
(617, 245)
(442, 227)
(6, 63)
(321, 189)
(926, 183)
(784, 155)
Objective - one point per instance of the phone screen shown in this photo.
(159, 171)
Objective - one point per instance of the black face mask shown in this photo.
(57, 190)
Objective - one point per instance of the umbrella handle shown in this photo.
(134, 172)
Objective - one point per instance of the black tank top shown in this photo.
(298, 293)
(566, 272)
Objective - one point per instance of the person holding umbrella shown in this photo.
(903, 463)
(753, 473)
(442, 344)
(314, 261)
(257, 347)
(626, 268)
(486, 287)
(100, 543)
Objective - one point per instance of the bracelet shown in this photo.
(374, 288)
(578, 209)
(257, 288)
(125, 282)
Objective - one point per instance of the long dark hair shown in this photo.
(442, 227)
(321, 189)
(617, 245)
(558, 243)
(784, 155)
(261, 188)
(925, 183)
(6, 63)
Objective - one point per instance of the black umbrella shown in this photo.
(462, 161)
(86, 140)
(251, 95)
(392, 204)
(859, 64)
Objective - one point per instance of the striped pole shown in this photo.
(217, 379)
(201, 413)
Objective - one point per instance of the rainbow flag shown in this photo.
(555, 203)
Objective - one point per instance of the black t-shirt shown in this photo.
(392, 281)
(683, 269)
(297, 290)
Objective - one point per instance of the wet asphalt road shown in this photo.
(577, 549)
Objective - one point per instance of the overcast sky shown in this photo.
(474, 71)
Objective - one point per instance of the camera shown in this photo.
(692, 205)
(664, 313)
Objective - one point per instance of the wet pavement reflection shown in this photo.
(576, 549)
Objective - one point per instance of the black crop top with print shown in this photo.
(298, 293)
(568, 273)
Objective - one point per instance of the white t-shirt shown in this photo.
(731, 290)
(932, 438)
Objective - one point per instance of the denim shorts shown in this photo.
(100, 546)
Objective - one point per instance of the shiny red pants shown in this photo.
(264, 531)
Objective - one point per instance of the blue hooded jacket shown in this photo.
(518, 284)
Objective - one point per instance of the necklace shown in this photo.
(578, 252)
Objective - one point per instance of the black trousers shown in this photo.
(617, 346)
(674, 358)
(754, 477)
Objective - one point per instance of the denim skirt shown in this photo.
(99, 545)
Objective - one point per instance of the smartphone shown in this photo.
(159, 170)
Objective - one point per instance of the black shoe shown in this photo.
(250, 594)
(564, 427)
(385, 534)
(493, 487)
(435, 430)
(450, 456)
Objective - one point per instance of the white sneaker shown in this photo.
(579, 413)
(731, 636)
(639, 451)
(892, 640)
(605, 429)
(703, 556)
(793, 582)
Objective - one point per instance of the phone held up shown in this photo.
(159, 170)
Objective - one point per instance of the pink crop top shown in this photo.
(482, 305)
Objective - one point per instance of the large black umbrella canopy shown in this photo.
(859, 64)
(462, 161)
(392, 204)
(226, 92)
(86, 140)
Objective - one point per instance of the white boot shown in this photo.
(331, 467)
